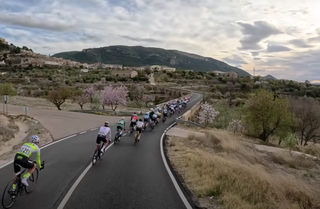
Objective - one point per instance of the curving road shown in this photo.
(126, 177)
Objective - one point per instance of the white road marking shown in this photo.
(76, 183)
(83, 132)
(47, 145)
(174, 181)
(93, 129)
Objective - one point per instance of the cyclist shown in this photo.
(154, 117)
(134, 119)
(151, 112)
(159, 115)
(165, 112)
(146, 119)
(22, 159)
(139, 128)
(121, 126)
(104, 135)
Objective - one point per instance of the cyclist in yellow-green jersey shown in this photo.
(23, 155)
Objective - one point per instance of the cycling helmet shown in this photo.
(151, 109)
(35, 139)
(140, 119)
(106, 123)
(147, 113)
(134, 113)
(122, 118)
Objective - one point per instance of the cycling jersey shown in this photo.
(140, 124)
(134, 118)
(154, 116)
(27, 149)
(105, 132)
(146, 116)
(121, 123)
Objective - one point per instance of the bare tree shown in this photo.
(307, 113)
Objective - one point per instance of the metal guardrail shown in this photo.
(181, 121)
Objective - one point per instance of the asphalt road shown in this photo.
(127, 177)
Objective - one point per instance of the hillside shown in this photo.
(141, 56)
(269, 77)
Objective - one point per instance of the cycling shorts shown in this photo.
(101, 139)
(146, 119)
(119, 128)
(165, 114)
(23, 161)
(133, 124)
(139, 130)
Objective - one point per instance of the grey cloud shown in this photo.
(33, 22)
(255, 53)
(256, 58)
(277, 48)
(235, 59)
(300, 43)
(300, 66)
(140, 39)
(255, 33)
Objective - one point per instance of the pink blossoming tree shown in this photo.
(90, 92)
(114, 96)
(207, 114)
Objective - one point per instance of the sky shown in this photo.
(281, 38)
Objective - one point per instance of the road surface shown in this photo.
(127, 177)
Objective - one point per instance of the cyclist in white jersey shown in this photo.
(139, 127)
(103, 135)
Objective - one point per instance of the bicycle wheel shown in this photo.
(7, 197)
(94, 157)
(32, 181)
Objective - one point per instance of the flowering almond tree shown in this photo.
(90, 91)
(114, 96)
(207, 114)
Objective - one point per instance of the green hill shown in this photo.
(142, 56)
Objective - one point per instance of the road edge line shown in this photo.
(173, 179)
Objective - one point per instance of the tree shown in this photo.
(266, 114)
(114, 96)
(307, 113)
(58, 97)
(80, 98)
(290, 142)
(7, 89)
(137, 92)
(207, 114)
(90, 91)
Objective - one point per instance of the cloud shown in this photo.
(277, 48)
(255, 33)
(235, 59)
(300, 43)
(238, 32)
(32, 22)
(151, 40)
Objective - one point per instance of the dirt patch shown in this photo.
(15, 131)
(223, 171)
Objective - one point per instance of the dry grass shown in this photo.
(240, 177)
(7, 130)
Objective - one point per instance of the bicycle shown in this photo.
(117, 136)
(98, 154)
(164, 118)
(136, 138)
(132, 128)
(20, 188)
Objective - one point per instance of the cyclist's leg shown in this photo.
(30, 165)
(98, 141)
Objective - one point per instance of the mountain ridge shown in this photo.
(142, 56)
